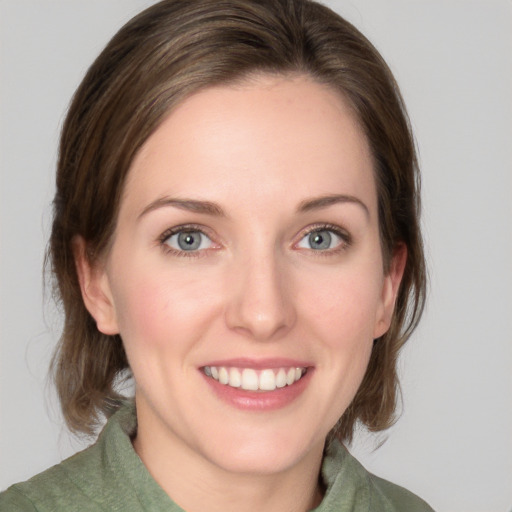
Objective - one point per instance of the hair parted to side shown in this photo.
(166, 53)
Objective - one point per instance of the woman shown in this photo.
(236, 225)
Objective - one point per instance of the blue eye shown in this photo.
(188, 241)
(321, 240)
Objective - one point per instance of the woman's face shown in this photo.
(246, 275)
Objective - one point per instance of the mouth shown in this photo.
(250, 379)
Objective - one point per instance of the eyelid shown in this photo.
(186, 228)
(337, 230)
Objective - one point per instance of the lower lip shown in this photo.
(259, 400)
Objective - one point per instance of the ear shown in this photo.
(95, 288)
(390, 287)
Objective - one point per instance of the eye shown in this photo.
(322, 239)
(188, 241)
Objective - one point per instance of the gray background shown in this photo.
(452, 58)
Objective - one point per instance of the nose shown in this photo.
(261, 299)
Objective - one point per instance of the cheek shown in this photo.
(345, 304)
(341, 315)
(158, 307)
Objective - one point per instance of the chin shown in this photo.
(261, 452)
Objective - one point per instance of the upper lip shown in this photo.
(259, 364)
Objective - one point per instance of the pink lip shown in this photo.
(260, 364)
(259, 400)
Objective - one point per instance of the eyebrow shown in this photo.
(209, 208)
(325, 201)
(191, 205)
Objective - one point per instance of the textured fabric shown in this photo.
(109, 476)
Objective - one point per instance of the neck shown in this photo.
(197, 484)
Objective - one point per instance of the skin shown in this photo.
(255, 289)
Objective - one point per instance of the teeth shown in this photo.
(281, 378)
(267, 380)
(253, 380)
(249, 380)
(235, 379)
(223, 375)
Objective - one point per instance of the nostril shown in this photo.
(259, 314)
(259, 304)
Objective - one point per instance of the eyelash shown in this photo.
(346, 238)
(187, 228)
(342, 234)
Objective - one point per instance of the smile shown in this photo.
(250, 379)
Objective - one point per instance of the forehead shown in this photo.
(263, 136)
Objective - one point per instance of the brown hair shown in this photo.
(164, 54)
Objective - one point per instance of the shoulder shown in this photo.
(62, 487)
(350, 484)
(82, 482)
(386, 495)
(16, 501)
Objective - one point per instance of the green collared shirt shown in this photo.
(109, 476)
